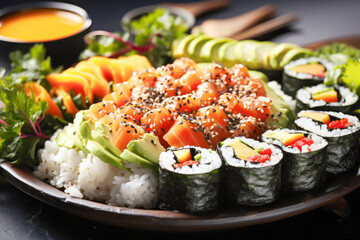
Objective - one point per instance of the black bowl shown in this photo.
(64, 51)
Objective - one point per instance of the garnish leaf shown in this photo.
(31, 66)
(20, 125)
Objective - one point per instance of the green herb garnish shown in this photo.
(152, 35)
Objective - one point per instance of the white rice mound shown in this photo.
(86, 176)
(228, 153)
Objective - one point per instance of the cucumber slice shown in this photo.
(181, 47)
(293, 54)
(278, 53)
(195, 46)
(262, 52)
(245, 52)
(210, 50)
(227, 54)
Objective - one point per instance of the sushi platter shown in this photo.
(185, 131)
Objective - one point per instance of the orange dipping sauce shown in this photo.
(40, 25)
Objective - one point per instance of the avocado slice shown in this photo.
(63, 140)
(278, 53)
(99, 151)
(195, 46)
(241, 150)
(180, 47)
(262, 52)
(245, 52)
(102, 135)
(148, 147)
(285, 137)
(293, 54)
(227, 54)
(131, 157)
(283, 115)
(317, 116)
(210, 50)
(258, 75)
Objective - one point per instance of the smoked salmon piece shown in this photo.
(186, 131)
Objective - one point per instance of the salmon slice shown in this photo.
(186, 132)
(158, 121)
(215, 122)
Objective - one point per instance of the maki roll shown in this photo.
(341, 131)
(326, 98)
(252, 171)
(303, 167)
(189, 179)
(304, 72)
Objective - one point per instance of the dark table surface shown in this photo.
(23, 217)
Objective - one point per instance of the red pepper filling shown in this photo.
(343, 123)
(190, 162)
(263, 156)
(300, 143)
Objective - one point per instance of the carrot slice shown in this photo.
(98, 86)
(40, 93)
(107, 69)
(71, 82)
(67, 101)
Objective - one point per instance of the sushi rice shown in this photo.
(86, 176)
(209, 161)
(248, 183)
(228, 153)
(343, 143)
(194, 188)
(322, 129)
(304, 95)
(318, 143)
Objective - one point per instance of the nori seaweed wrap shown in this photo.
(304, 164)
(293, 79)
(341, 131)
(187, 186)
(309, 98)
(247, 182)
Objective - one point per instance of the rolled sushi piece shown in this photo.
(252, 171)
(326, 98)
(304, 72)
(189, 179)
(341, 131)
(304, 164)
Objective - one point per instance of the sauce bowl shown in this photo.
(63, 50)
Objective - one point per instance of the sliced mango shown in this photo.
(183, 155)
(241, 150)
(327, 96)
(316, 69)
(317, 116)
(285, 137)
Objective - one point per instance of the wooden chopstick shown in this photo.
(266, 27)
